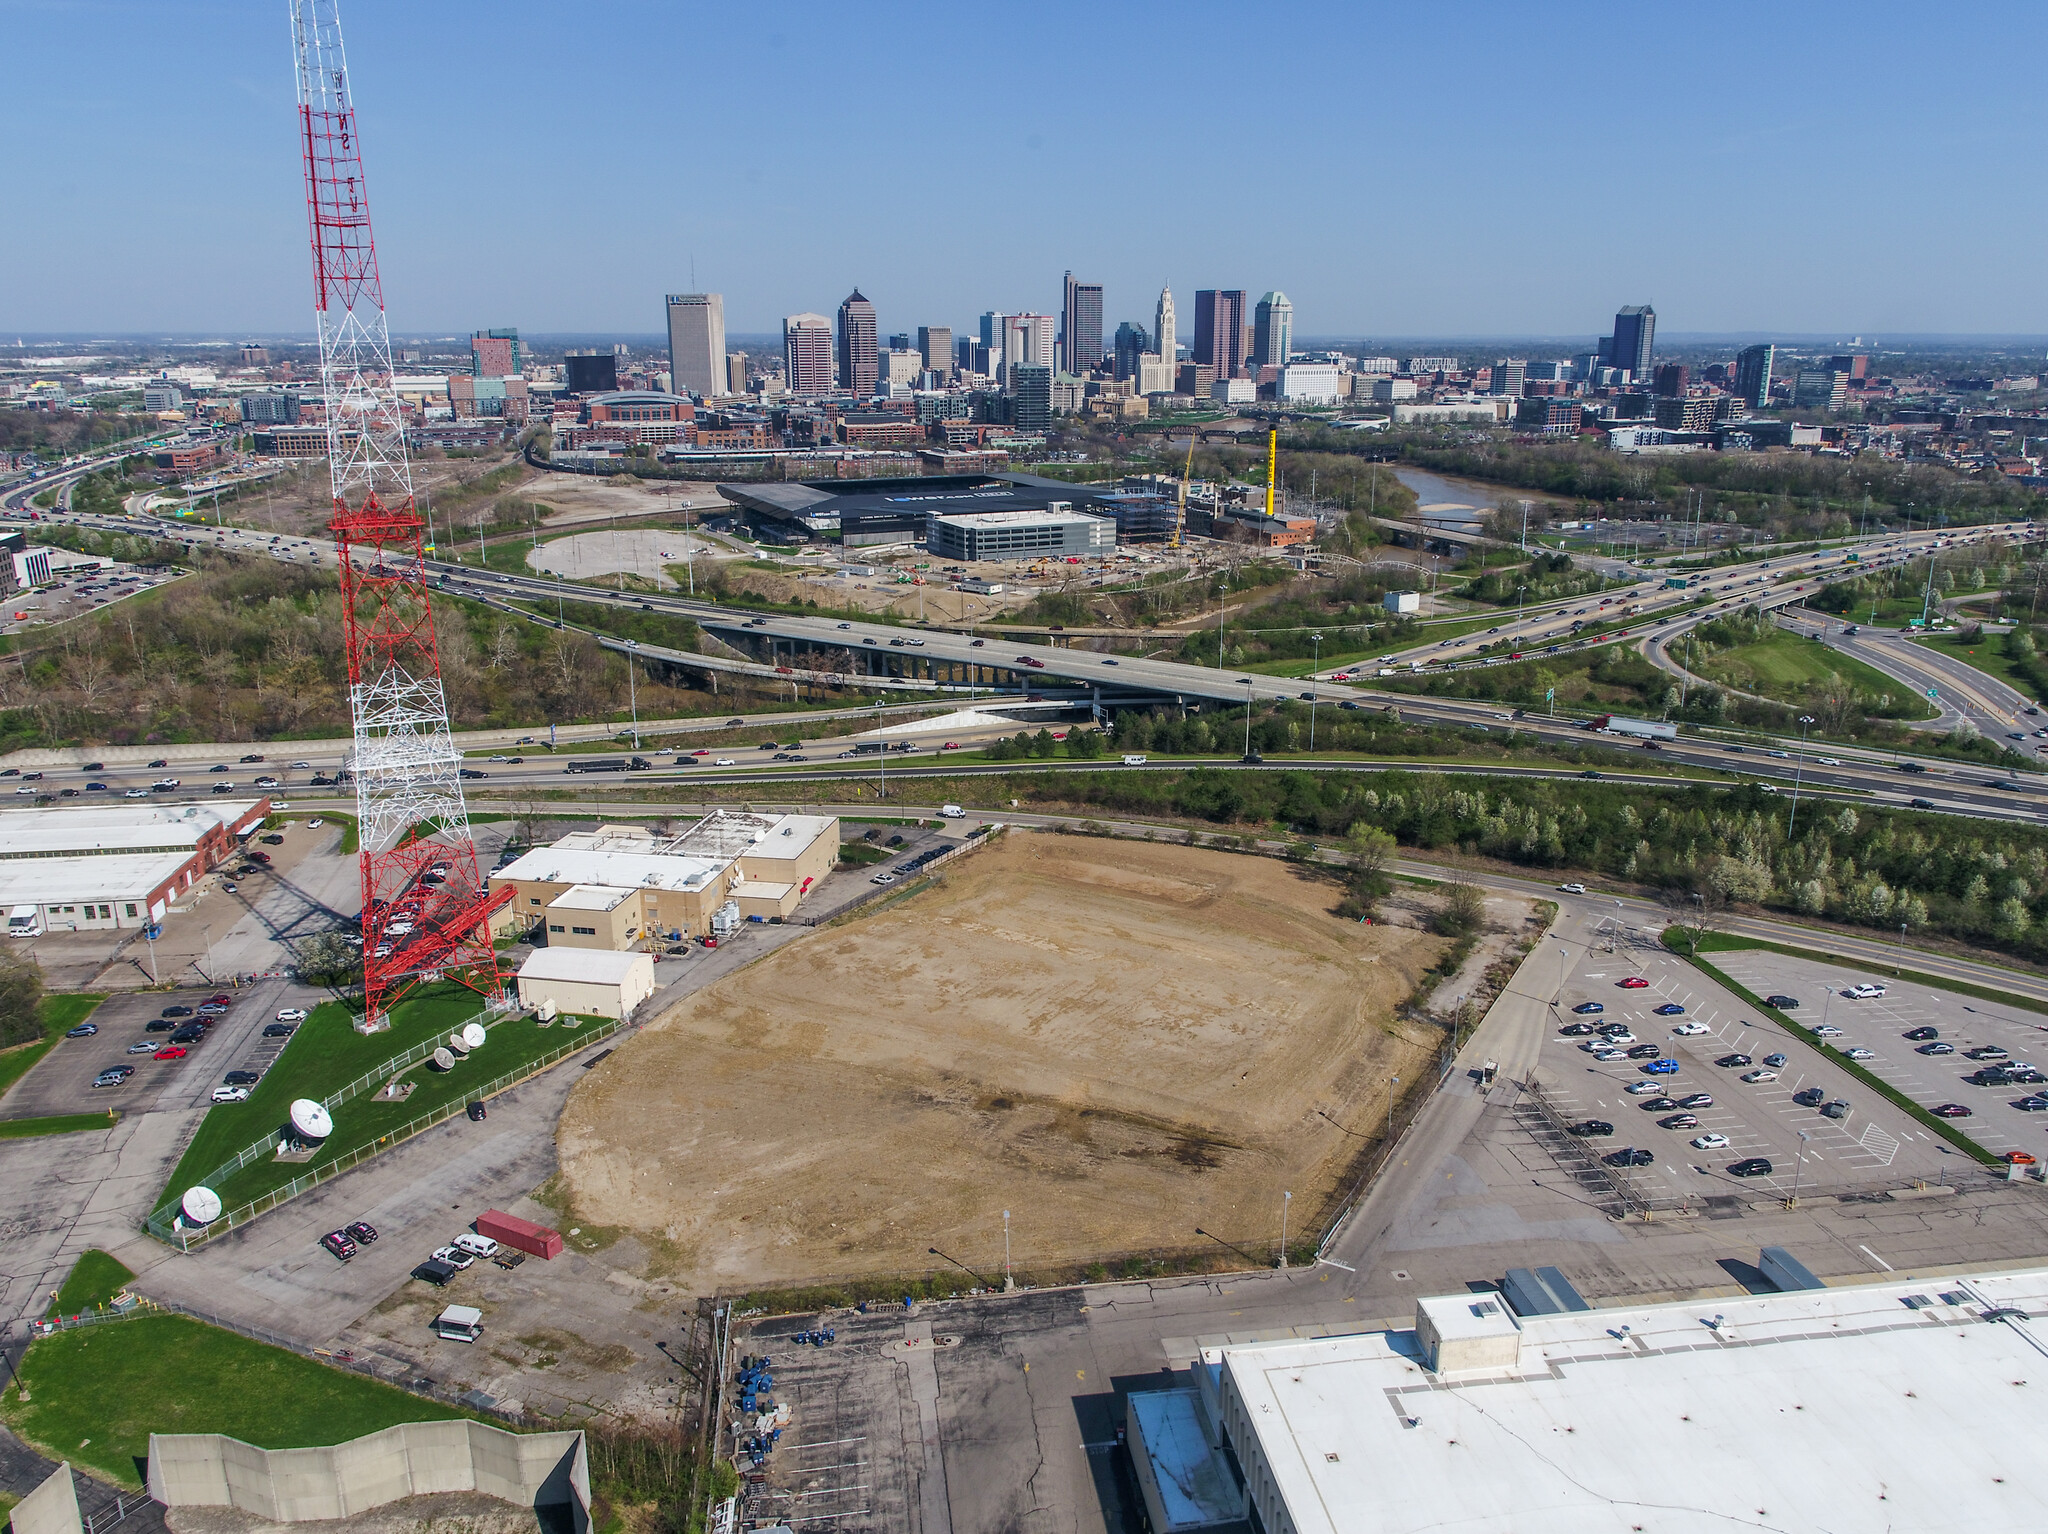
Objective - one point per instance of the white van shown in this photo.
(951, 812)
(25, 921)
(460, 1323)
(1135, 759)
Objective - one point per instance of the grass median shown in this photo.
(96, 1394)
(56, 1013)
(94, 1279)
(324, 1056)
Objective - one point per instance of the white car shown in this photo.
(725, 761)
(1656, 1085)
(230, 1094)
(1571, 889)
(133, 793)
(280, 804)
(1759, 1075)
(1710, 1142)
(292, 1015)
(1690, 1030)
(476, 1246)
(1865, 991)
(314, 824)
(398, 929)
(1827, 1031)
(454, 1256)
(1827, 761)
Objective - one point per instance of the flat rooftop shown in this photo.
(825, 501)
(623, 870)
(591, 897)
(63, 881)
(114, 828)
(1859, 1410)
(591, 966)
(1038, 518)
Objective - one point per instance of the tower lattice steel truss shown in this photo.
(426, 908)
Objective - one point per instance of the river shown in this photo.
(1445, 497)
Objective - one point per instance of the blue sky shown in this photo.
(1476, 169)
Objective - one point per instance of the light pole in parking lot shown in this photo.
(1799, 1171)
(1314, 666)
(1798, 768)
(1286, 1199)
(1247, 718)
(1562, 954)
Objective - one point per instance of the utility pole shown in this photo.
(1798, 768)
(1285, 1200)
(1314, 666)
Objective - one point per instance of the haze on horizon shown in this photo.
(1814, 170)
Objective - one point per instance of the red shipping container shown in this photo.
(520, 1235)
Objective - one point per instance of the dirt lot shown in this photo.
(1115, 1041)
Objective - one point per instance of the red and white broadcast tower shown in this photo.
(426, 909)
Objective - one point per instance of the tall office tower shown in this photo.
(1132, 343)
(992, 326)
(735, 372)
(935, 344)
(858, 369)
(591, 372)
(1219, 330)
(1032, 339)
(1081, 325)
(1753, 375)
(1509, 374)
(900, 341)
(1031, 402)
(1166, 343)
(1671, 379)
(696, 343)
(807, 354)
(1635, 335)
(494, 354)
(1273, 333)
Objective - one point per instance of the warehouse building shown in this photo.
(1058, 532)
(113, 866)
(878, 511)
(624, 886)
(1857, 1409)
(584, 982)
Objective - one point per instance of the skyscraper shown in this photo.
(1753, 375)
(1081, 325)
(494, 354)
(857, 366)
(1034, 339)
(1273, 332)
(696, 343)
(1219, 330)
(1635, 335)
(1031, 401)
(1164, 339)
(807, 354)
(935, 342)
(1132, 343)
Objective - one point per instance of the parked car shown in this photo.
(433, 1272)
(1936, 1048)
(82, 1031)
(476, 1246)
(1697, 1100)
(1633, 1156)
(230, 1094)
(291, 1015)
(1950, 1111)
(1774, 1061)
(1782, 1003)
(171, 1052)
(362, 1231)
(1759, 1075)
(1588, 1008)
(1690, 1029)
(1670, 1009)
(1755, 1166)
(1811, 1097)
(279, 1030)
(1662, 1067)
(1634, 983)
(1680, 1121)
(241, 1078)
(1575, 1030)
(1643, 1088)
(1591, 1128)
(1838, 1109)
(478, 1112)
(1864, 992)
(454, 1256)
(338, 1243)
(1710, 1141)
(1921, 1033)
(1644, 1052)
(1860, 1053)
(1827, 1031)
(1987, 1052)
(142, 1047)
(113, 1077)
(1730, 1062)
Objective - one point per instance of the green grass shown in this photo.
(326, 1054)
(860, 854)
(94, 1280)
(96, 1394)
(58, 1124)
(1986, 655)
(1835, 1058)
(1786, 667)
(58, 1013)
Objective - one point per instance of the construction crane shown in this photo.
(1180, 514)
(426, 909)
(1272, 456)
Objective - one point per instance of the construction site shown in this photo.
(1117, 1043)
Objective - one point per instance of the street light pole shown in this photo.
(1799, 1171)
(1798, 770)
(1285, 1200)
(1314, 666)
(1009, 1281)
(1247, 718)
(881, 754)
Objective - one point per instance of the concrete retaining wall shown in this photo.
(414, 1459)
(52, 1508)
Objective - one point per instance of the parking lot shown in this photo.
(1878, 1023)
(63, 1081)
(1874, 1146)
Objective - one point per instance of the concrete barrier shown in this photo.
(52, 1508)
(338, 1480)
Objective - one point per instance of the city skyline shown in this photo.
(460, 240)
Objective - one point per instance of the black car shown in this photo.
(1656, 1104)
(478, 1113)
(191, 1033)
(1633, 1156)
(1591, 1128)
(252, 758)
(1680, 1121)
(177, 1011)
(1645, 1052)
(1587, 1008)
(1783, 1003)
(241, 1078)
(1755, 1166)
(362, 1232)
(1575, 1030)
(1812, 1097)
(1913, 767)
(471, 772)
(158, 1025)
(1920, 804)
(1730, 1062)
(1922, 1033)
(280, 1030)
(434, 1272)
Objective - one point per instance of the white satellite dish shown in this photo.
(200, 1206)
(444, 1060)
(455, 1045)
(310, 1120)
(473, 1036)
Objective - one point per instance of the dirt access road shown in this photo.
(1115, 1041)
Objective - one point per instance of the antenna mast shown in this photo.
(426, 909)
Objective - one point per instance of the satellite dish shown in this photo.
(310, 1120)
(473, 1036)
(444, 1060)
(200, 1206)
(456, 1046)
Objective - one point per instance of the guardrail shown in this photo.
(166, 1227)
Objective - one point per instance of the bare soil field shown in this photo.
(1115, 1041)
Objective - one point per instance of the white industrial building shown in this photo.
(116, 865)
(1314, 383)
(588, 982)
(1056, 532)
(1872, 1409)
